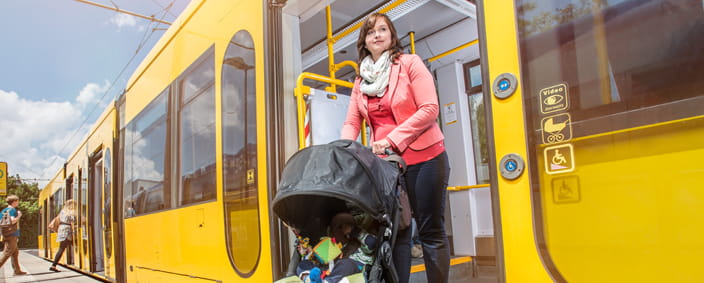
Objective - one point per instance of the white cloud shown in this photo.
(91, 94)
(37, 136)
(122, 20)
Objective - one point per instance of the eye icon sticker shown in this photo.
(554, 98)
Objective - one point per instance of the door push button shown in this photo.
(505, 85)
(511, 166)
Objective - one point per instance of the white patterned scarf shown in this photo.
(375, 75)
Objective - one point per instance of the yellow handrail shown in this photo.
(300, 91)
(342, 64)
(412, 38)
(453, 50)
(331, 48)
(462, 188)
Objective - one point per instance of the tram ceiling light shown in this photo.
(461, 6)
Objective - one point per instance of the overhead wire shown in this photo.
(145, 38)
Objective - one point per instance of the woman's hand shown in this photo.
(379, 147)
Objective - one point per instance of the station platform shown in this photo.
(38, 271)
(462, 269)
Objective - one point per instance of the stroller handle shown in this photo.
(392, 156)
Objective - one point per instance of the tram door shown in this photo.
(596, 127)
(95, 204)
(70, 186)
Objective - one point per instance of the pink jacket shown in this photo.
(414, 105)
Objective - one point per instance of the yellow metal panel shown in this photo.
(521, 260)
(197, 244)
(3, 178)
(634, 206)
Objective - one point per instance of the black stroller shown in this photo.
(322, 180)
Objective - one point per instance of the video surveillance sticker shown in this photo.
(554, 98)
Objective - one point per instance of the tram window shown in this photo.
(479, 137)
(239, 142)
(107, 201)
(197, 131)
(57, 201)
(624, 63)
(145, 147)
(473, 77)
(473, 89)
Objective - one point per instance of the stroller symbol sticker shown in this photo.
(559, 159)
(557, 128)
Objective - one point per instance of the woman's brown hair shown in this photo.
(395, 50)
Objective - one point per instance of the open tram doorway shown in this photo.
(444, 33)
(69, 195)
(95, 225)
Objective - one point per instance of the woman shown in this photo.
(395, 94)
(67, 217)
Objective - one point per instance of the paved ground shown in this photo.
(465, 272)
(38, 271)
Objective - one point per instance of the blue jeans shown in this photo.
(426, 184)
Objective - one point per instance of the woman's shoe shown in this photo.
(53, 269)
(417, 251)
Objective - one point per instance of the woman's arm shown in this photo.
(422, 88)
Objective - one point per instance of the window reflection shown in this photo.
(614, 56)
(145, 144)
(197, 132)
(240, 153)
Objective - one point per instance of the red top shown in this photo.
(382, 122)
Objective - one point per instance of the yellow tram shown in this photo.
(574, 130)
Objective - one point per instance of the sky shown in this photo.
(61, 63)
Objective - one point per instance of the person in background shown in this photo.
(11, 251)
(67, 218)
(395, 94)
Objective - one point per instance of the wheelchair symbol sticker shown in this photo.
(559, 159)
(565, 189)
(557, 128)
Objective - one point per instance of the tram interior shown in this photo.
(445, 37)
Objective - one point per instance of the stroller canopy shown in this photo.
(323, 180)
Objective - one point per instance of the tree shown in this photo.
(29, 205)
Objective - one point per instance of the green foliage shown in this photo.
(29, 206)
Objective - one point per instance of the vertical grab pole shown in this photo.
(331, 49)
(412, 36)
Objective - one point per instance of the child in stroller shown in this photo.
(356, 245)
(342, 191)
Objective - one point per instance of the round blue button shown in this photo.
(504, 84)
(511, 165)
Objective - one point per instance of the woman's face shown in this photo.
(378, 38)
